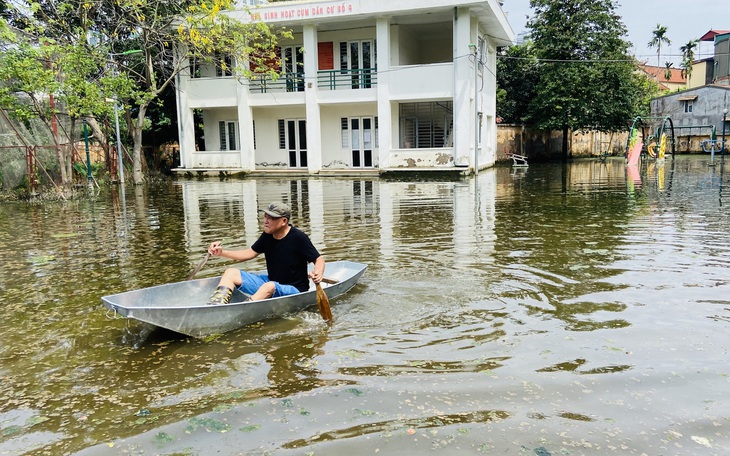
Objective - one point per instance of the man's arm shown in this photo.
(216, 249)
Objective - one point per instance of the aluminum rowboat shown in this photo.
(181, 306)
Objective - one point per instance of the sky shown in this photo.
(684, 20)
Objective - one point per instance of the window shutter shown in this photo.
(282, 135)
(345, 133)
(222, 133)
(232, 136)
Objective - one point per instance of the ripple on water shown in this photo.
(564, 310)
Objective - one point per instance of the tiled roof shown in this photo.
(658, 73)
(710, 36)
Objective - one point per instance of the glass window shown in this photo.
(228, 134)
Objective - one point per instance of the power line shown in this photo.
(631, 59)
(535, 59)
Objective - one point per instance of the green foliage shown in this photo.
(586, 78)
(688, 56)
(27, 78)
(86, 53)
(517, 79)
(659, 36)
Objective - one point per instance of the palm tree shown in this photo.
(668, 70)
(659, 37)
(688, 56)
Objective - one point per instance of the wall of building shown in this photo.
(701, 73)
(706, 108)
(722, 60)
(547, 145)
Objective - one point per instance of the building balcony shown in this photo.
(422, 82)
(363, 78)
(286, 82)
(360, 78)
(212, 92)
(406, 82)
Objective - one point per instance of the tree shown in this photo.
(142, 46)
(668, 70)
(587, 79)
(41, 74)
(688, 56)
(517, 79)
(659, 36)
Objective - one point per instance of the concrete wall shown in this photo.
(545, 145)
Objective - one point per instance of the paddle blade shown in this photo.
(324, 304)
(199, 266)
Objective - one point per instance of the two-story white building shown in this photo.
(366, 85)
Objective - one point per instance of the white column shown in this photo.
(316, 213)
(488, 105)
(463, 89)
(385, 132)
(314, 120)
(251, 215)
(387, 219)
(185, 122)
(245, 127)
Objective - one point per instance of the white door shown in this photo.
(362, 141)
(358, 58)
(293, 136)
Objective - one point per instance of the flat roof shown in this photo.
(330, 15)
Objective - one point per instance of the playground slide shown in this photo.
(635, 153)
(632, 172)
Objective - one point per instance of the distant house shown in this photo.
(695, 113)
(722, 56)
(702, 72)
(676, 80)
(702, 109)
(715, 69)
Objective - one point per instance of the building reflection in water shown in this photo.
(352, 218)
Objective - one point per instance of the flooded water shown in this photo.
(559, 309)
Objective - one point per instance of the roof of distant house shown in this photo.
(693, 91)
(659, 73)
(710, 36)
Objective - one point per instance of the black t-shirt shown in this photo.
(287, 258)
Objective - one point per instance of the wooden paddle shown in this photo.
(323, 303)
(199, 267)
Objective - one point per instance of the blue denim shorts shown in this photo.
(250, 283)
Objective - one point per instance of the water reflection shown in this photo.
(508, 306)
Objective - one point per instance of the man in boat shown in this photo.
(287, 250)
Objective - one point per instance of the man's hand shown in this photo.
(215, 248)
(316, 276)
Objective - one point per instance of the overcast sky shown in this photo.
(684, 20)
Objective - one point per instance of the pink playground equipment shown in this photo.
(655, 145)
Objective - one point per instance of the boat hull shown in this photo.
(181, 306)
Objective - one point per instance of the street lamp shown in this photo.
(88, 156)
(116, 118)
(473, 49)
(120, 163)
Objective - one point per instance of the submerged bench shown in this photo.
(518, 160)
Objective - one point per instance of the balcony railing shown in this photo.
(287, 82)
(359, 78)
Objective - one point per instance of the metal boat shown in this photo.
(181, 306)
